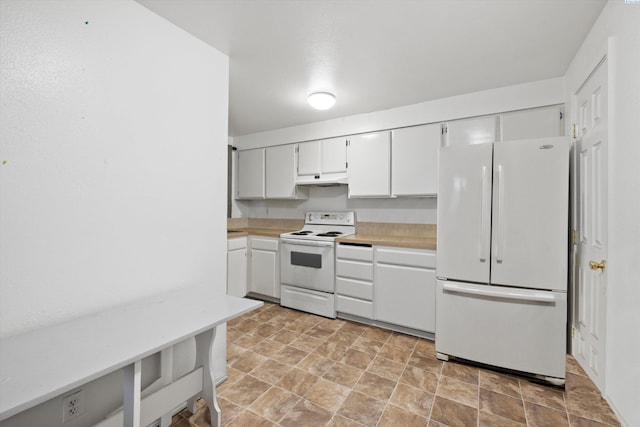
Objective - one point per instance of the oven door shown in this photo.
(307, 264)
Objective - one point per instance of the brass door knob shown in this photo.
(596, 265)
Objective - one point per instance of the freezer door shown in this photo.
(464, 212)
(530, 213)
(520, 329)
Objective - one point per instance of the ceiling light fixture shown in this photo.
(321, 100)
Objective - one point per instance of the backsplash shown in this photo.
(396, 229)
(330, 199)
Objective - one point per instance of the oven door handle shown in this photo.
(301, 242)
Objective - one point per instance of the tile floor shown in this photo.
(287, 368)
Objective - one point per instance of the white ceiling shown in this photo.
(376, 54)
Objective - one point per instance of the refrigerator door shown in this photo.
(520, 329)
(464, 212)
(530, 213)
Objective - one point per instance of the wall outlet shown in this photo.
(72, 406)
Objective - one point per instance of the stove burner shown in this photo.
(330, 234)
(302, 233)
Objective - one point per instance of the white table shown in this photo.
(48, 362)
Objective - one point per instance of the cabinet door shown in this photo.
(471, 131)
(369, 165)
(532, 123)
(265, 268)
(405, 296)
(280, 172)
(334, 155)
(251, 174)
(309, 158)
(414, 160)
(237, 272)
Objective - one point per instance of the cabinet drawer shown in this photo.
(354, 269)
(264, 244)
(236, 243)
(354, 288)
(408, 257)
(354, 306)
(358, 253)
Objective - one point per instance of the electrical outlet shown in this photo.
(72, 406)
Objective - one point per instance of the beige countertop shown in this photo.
(419, 236)
(266, 232)
(389, 240)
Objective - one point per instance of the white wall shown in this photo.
(113, 125)
(617, 34)
(623, 300)
(510, 98)
(403, 210)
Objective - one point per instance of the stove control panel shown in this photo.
(331, 218)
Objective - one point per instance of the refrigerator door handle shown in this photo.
(500, 216)
(484, 215)
(544, 297)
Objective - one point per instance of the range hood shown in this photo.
(323, 180)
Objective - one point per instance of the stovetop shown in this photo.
(326, 226)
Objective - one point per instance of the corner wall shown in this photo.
(616, 34)
(623, 299)
(113, 125)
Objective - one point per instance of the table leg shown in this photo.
(204, 358)
(132, 392)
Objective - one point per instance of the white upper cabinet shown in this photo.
(309, 158)
(268, 173)
(281, 173)
(533, 123)
(414, 160)
(251, 168)
(333, 153)
(369, 165)
(471, 131)
(321, 161)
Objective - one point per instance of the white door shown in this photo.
(588, 344)
(309, 158)
(531, 123)
(334, 155)
(251, 174)
(414, 160)
(280, 172)
(369, 165)
(464, 212)
(237, 272)
(530, 215)
(470, 131)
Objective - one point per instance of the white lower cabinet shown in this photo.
(404, 287)
(264, 270)
(387, 285)
(354, 280)
(237, 266)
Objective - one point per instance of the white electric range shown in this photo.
(307, 262)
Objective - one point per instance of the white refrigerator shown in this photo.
(502, 265)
